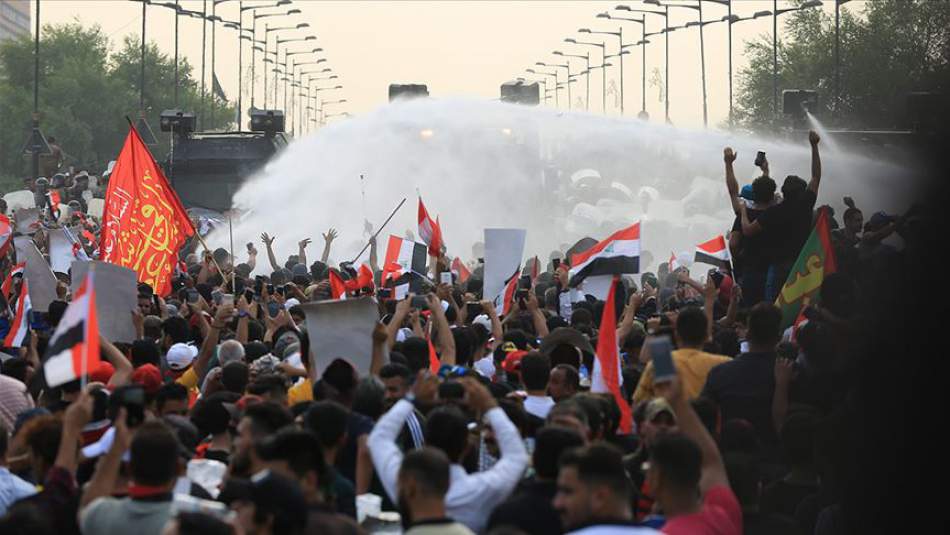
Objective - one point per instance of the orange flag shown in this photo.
(144, 223)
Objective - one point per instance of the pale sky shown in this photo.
(460, 47)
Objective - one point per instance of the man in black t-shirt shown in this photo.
(785, 226)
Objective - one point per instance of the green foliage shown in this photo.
(888, 48)
(85, 94)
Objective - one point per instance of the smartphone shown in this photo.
(273, 308)
(451, 390)
(132, 398)
(716, 276)
(556, 263)
(420, 302)
(661, 351)
(227, 299)
(100, 404)
(759, 158)
(445, 277)
(524, 282)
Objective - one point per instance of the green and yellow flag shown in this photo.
(803, 286)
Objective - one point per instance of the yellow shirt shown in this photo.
(692, 367)
(189, 379)
(300, 392)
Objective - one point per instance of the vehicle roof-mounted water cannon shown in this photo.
(406, 91)
(267, 121)
(521, 92)
(798, 103)
(180, 122)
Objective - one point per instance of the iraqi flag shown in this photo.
(715, 253)
(607, 376)
(618, 254)
(403, 256)
(511, 287)
(429, 230)
(6, 234)
(337, 286)
(8, 282)
(20, 328)
(74, 348)
(460, 270)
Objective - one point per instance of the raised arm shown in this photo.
(815, 162)
(537, 317)
(380, 336)
(252, 258)
(123, 368)
(221, 318)
(497, 331)
(713, 469)
(784, 371)
(710, 292)
(302, 250)
(732, 185)
(749, 228)
(269, 244)
(327, 241)
(402, 310)
(446, 340)
(76, 417)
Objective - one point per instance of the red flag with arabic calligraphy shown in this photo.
(144, 223)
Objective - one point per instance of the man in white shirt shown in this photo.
(471, 497)
(535, 370)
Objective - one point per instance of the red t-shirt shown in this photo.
(720, 515)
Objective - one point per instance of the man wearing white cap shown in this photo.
(180, 357)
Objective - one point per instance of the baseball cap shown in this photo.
(180, 356)
(746, 192)
(512, 363)
(102, 372)
(657, 406)
(148, 376)
(483, 320)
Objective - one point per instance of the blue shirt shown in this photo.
(12, 489)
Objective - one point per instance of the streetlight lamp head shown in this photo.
(315, 50)
(622, 8)
(310, 38)
(692, 23)
(758, 14)
(731, 18)
(603, 15)
(583, 30)
(321, 60)
(540, 63)
(608, 65)
(282, 3)
(557, 53)
(292, 12)
(333, 77)
(303, 25)
(570, 40)
(810, 3)
(653, 2)
(532, 71)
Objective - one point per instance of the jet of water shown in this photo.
(827, 139)
(562, 176)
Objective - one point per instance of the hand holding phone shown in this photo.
(445, 277)
(661, 351)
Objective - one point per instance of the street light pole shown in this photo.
(603, 76)
(204, 38)
(774, 59)
(702, 61)
(36, 143)
(619, 35)
(142, 70)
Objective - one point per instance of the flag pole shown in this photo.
(205, 245)
(231, 237)
(381, 227)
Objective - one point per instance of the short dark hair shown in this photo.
(599, 464)
(763, 189)
(535, 369)
(178, 329)
(765, 321)
(447, 429)
(270, 383)
(571, 374)
(394, 369)
(42, 436)
(416, 351)
(593, 409)
(691, 325)
(234, 377)
(170, 392)
(550, 442)
(267, 417)
(145, 352)
(327, 420)
(851, 212)
(793, 187)
(197, 523)
(210, 416)
(679, 460)
(299, 448)
(429, 467)
(154, 454)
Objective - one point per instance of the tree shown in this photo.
(85, 94)
(894, 47)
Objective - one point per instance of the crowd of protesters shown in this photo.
(211, 421)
